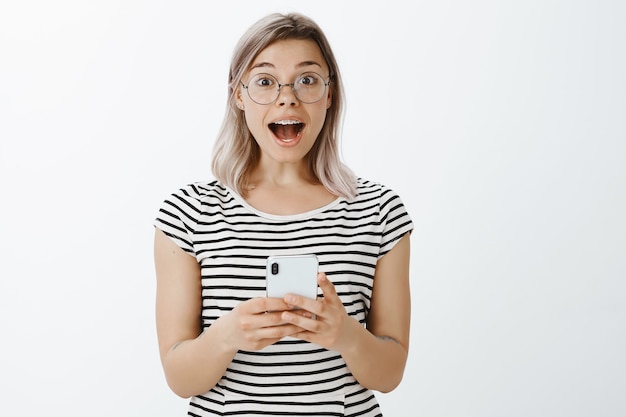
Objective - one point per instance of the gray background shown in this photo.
(500, 123)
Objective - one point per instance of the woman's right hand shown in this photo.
(255, 324)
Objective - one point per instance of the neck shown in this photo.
(281, 175)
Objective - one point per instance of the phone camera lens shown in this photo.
(274, 268)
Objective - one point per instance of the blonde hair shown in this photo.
(236, 152)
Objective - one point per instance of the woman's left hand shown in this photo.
(324, 321)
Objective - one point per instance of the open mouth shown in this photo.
(286, 130)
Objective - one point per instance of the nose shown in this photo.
(286, 96)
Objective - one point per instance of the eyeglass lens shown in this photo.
(265, 88)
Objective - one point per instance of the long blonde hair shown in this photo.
(236, 152)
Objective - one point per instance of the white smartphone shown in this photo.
(295, 274)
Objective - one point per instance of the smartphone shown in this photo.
(295, 274)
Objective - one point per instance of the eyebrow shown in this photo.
(300, 65)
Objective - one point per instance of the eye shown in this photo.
(309, 79)
(263, 80)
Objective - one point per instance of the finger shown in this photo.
(301, 321)
(275, 304)
(264, 304)
(277, 332)
(328, 289)
(268, 336)
(305, 335)
(265, 320)
(305, 303)
(303, 313)
(300, 302)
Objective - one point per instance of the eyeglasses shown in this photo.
(265, 88)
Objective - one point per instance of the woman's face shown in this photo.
(286, 128)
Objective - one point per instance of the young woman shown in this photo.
(281, 189)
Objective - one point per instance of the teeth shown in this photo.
(287, 122)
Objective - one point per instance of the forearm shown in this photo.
(376, 362)
(193, 367)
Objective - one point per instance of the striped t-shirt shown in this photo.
(231, 241)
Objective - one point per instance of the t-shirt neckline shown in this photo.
(296, 216)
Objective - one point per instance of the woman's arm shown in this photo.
(376, 356)
(195, 360)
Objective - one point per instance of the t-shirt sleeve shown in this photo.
(178, 216)
(395, 220)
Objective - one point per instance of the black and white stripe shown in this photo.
(231, 241)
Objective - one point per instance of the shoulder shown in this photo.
(386, 199)
(193, 198)
(368, 190)
(201, 191)
(392, 215)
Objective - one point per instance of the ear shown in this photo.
(329, 99)
(238, 100)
